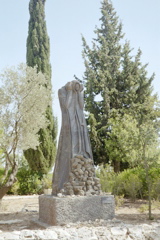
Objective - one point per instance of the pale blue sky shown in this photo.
(66, 21)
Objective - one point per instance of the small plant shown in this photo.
(47, 182)
(155, 204)
(107, 177)
(29, 182)
(119, 201)
(143, 208)
(128, 183)
(132, 186)
(14, 189)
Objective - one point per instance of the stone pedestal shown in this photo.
(71, 209)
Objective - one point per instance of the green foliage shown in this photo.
(38, 47)
(118, 92)
(44, 155)
(1, 175)
(119, 201)
(14, 189)
(154, 174)
(127, 183)
(24, 100)
(23, 103)
(149, 143)
(131, 183)
(155, 205)
(122, 142)
(30, 182)
(1, 132)
(38, 53)
(132, 186)
(47, 182)
(106, 176)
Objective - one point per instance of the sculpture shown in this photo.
(74, 143)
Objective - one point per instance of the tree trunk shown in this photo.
(148, 180)
(11, 180)
(116, 165)
(6, 168)
(149, 204)
(149, 201)
(3, 191)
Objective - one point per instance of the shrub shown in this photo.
(154, 174)
(107, 177)
(154, 178)
(29, 182)
(47, 182)
(14, 189)
(132, 186)
(119, 201)
(128, 183)
(156, 190)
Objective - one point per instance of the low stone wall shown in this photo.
(98, 230)
(70, 209)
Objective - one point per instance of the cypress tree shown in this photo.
(38, 53)
(116, 82)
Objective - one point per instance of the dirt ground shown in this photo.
(18, 212)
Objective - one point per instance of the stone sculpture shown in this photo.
(74, 170)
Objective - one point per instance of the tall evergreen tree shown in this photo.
(116, 82)
(38, 53)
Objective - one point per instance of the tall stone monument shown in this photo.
(76, 193)
(74, 170)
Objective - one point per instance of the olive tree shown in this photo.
(24, 98)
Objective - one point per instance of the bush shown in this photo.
(47, 182)
(128, 183)
(119, 201)
(132, 186)
(107, 177)
(154, 174)
(154, 178)
(156, 190)
(14, 189)
(30, 182)
(132, 183)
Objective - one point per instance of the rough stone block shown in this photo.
(55, 210)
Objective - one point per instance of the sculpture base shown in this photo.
(55, 210)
